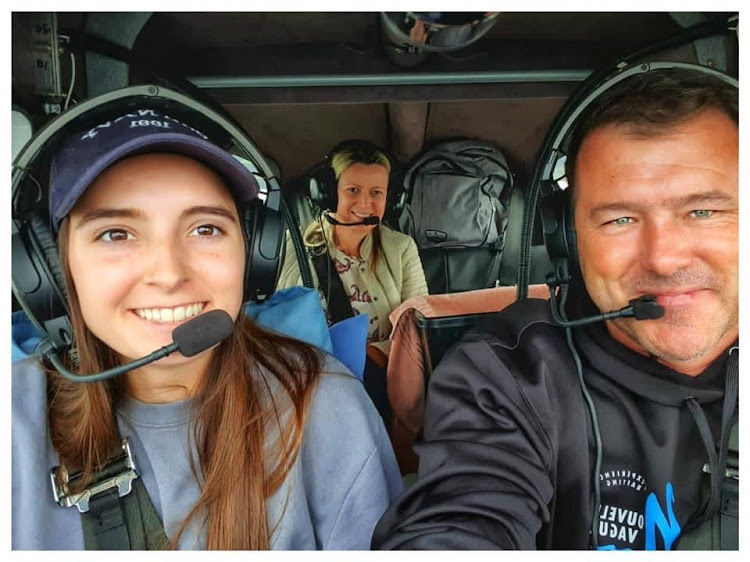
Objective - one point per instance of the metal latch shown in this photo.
(119, 472)
(729, 472)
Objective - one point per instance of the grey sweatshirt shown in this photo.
(344, 478)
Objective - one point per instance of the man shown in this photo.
(539, 436)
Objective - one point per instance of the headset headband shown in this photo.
(563, 134)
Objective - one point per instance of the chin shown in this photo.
(673, 344)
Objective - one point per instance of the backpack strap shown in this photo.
(339, 306)
(116, 510)
(721, 532)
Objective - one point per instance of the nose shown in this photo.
(166, 264)
(365, 200)
(666, 247)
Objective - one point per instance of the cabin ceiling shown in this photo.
(297, 82)
(211, 47)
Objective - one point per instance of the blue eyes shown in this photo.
(696, 214)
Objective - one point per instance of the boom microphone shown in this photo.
(204, 331)
(191, 338)
(642, 308)
(372, 220)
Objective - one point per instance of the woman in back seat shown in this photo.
(378, 268)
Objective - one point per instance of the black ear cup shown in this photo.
(323, 188)
(556, 212)
(42, 232)
(263, 228)
(38, 281)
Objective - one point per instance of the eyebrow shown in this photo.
(210, 210)
(714, 196)
(105, 213)
(129, 213)
(353, 184)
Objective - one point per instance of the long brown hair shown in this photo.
(238, 405)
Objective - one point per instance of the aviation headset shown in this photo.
(323, 187)
(556, 211)
(37, 278)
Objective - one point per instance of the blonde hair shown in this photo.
(234, 416)
(357, 152)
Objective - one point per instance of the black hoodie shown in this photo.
(508, 452)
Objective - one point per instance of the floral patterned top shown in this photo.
(352, 271)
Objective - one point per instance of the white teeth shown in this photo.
(169, 315)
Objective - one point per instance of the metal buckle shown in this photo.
(119, 472)
(729, 472)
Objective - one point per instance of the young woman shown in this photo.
(379, 267)
(259, 442)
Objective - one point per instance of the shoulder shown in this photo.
(339, 395)
(29, 389)
(347, 463)
(343, 418)
(29, 411)
(394, 238)
(515, 344)
(520, 324)
(316, 234)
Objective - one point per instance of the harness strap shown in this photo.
(720, 532)
(116, 511)
(339, 307)
(123, 523)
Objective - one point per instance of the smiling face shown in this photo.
(154, 240)
(659, 216)
(362, 191)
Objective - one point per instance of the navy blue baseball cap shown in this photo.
(85, 155)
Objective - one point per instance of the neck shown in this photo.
(164, 383)
(349, 239)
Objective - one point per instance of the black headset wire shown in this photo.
(299, 247)
(328, 261)
(15, 205)
(592, 413)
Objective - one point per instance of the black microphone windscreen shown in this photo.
(371, 220)
(202, 332)
(646, 308)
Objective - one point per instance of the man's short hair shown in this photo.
(652, 103)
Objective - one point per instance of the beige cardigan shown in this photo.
(397, 277)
